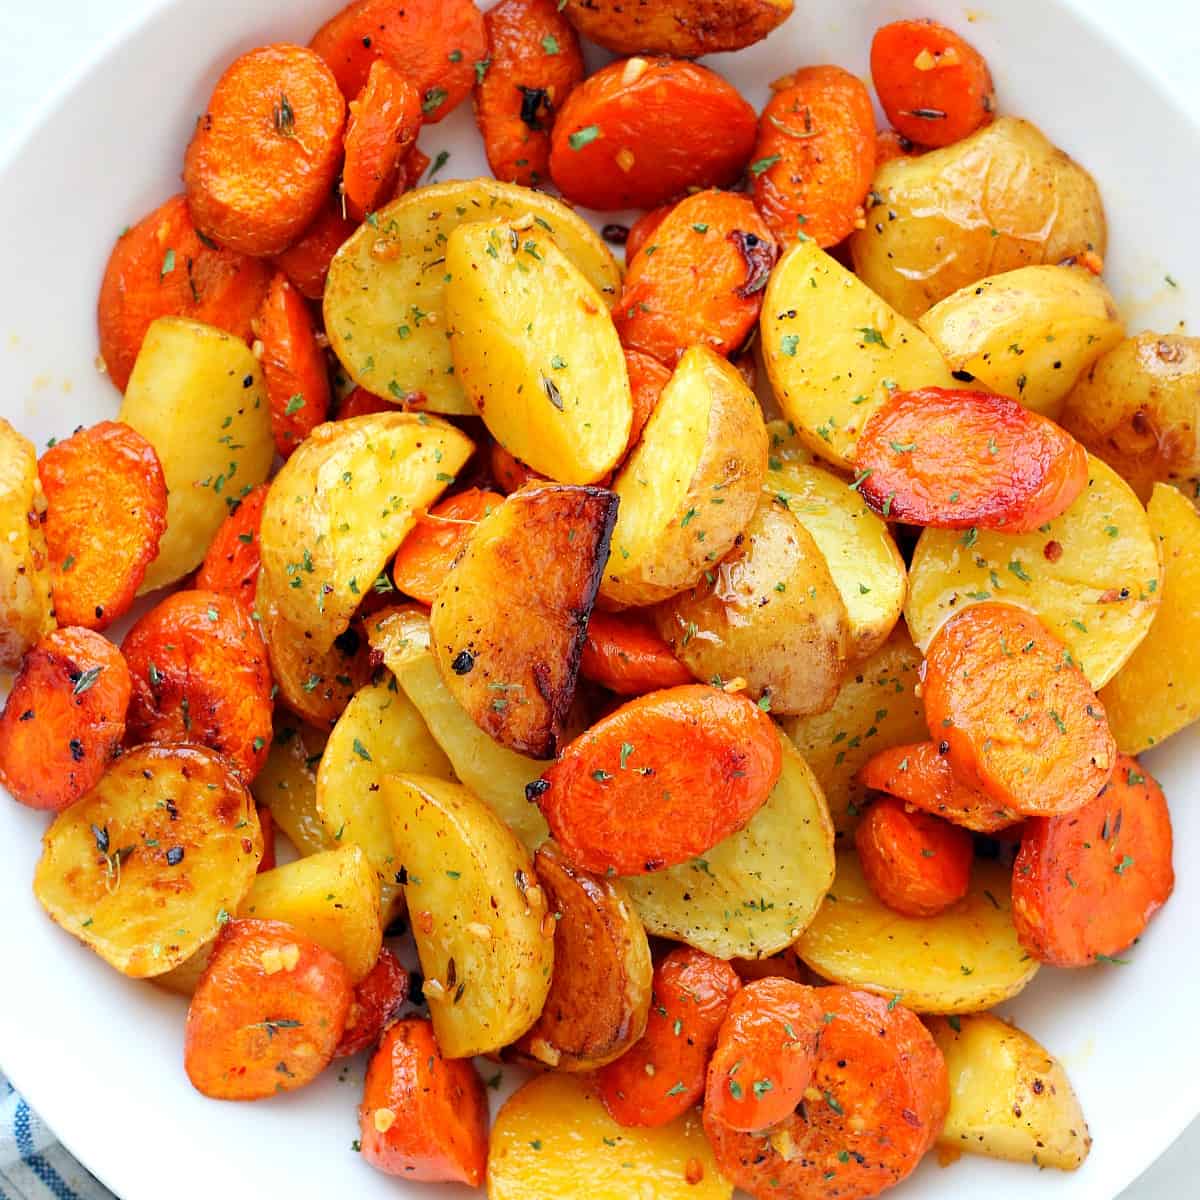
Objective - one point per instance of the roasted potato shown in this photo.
(384, 294)
(679, 28)
(197, 396)
(1028, 334)
(834, 351)
(963, 960)
(287, 785)
(1092, 575)
(484, 933)
(769, 613)
(754, 893)
(1009, 1098)
(1003, 198)
(690, 485)
(170, 822)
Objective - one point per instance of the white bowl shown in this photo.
(99, 1056)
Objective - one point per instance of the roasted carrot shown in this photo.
(660, 780)
(382, 127)
(266, 151)
(411, 170)
(777, 966)
(1015, 713)
(955, 459)
(200, 674)
(510, 473)
(647, 378)
(641, 230)
(889, 144)
(267, 825)
(231, 564)
(306, 261)
(106, 509)
(643, 131)
(64, 719)
(423, 1117)
(378, 998)
(534, 63)
(815, 156)
(1086, 884)
(934, 86)
(267, 1013)
(662, 1074)
(625, 654)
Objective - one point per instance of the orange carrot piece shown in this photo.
(381, 130)
(411, 169)
(647, 378)
(361, 403)
(643, 228)
(510, 473)
(625, 654)
(231, 564)
(306, 261)
(267, 824)
(378, 998)
(889, 145)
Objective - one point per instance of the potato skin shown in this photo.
(25, 605)
(683, 28)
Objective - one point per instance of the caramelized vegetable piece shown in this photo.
(231, 564)
(815, 156)
(661, 780)
(64, 719)
(647, 378)
(1086, 884)
(266, 1014)
(889, 144)
(1019, 718)
(934, 86)
(381, 130)
(266, 823)
(626, 655)
(200, 674)
(106, 509)
(411, 170)
(510, 473)
(957, 459)
(361, 403)
(306, 261)
(641, 230)
(642, 131)
(25, 592)
(378, 998)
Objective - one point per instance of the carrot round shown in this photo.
(534, 63)
(106, 509)
(378, 998)
(647, 378)
(64, 719)
(382, 127)
(423, 1117)
(162, 267)
(642, 131)
(955, 459)
(662, 1074)
(231, 564)
(934, 86)
(1015, 713)
(1086, 884)
(306, 261)
(660, 780)
(815, 156)
(643, 227)
(266, 151)
(766, 1051)
(626, 655)
(889, 145)
(510, 473)
(361, 403)
(200, 674)
(266, 1015)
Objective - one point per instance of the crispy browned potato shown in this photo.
(682, 28)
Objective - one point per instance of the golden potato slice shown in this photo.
(963, 960)
(1009, 1098)
(554, 1137)
(834, 351)
(1028, 334)
(690, 485)
(287, 785)
(768, 613)
(786, 448)
(1092, 575)
(384, 295)
(25, 601)
(680, 28)
(479, 917)
(754, 893)
(149, 865)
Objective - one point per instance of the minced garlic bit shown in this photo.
(783, 1145)
(479, 931)
(635, 68)
(383, 1119)
(258, 349)
(523, 222)
(735, 685)
(433, 990)
(625, 159)
(545, 1052)
(280, 958)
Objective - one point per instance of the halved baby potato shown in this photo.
(287, 785)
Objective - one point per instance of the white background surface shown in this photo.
(42, 43)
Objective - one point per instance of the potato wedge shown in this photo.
(768, 613)
(754, 893)
(478, 914)
(1092, 575)
(1028, 334)
(1003, 198)
(680, 28)
(509, 622)
(690, 485)
(197, 396)
(554, 1137)
(834, 350)
(169, 822)
(287, 785)
(963, 960)
(1009, 1098)
(384, 294)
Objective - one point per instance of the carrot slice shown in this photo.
(661, 780)
(266, 151)
(361, 403)
(1017, 716)
(266, 1015)
(647, 378)
(106, 509)
(306, 261)
(643, 228)
(1086, 884)
(423, 1116)
(815, 156)
(231, 564)
(626, 655)
(64, 720)
(510, 473)
(378, 998)
(889, 145)
(934, 86)
(534, 63)
(955, 459)
(642, 131)
(200, 674)
(382, 128)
